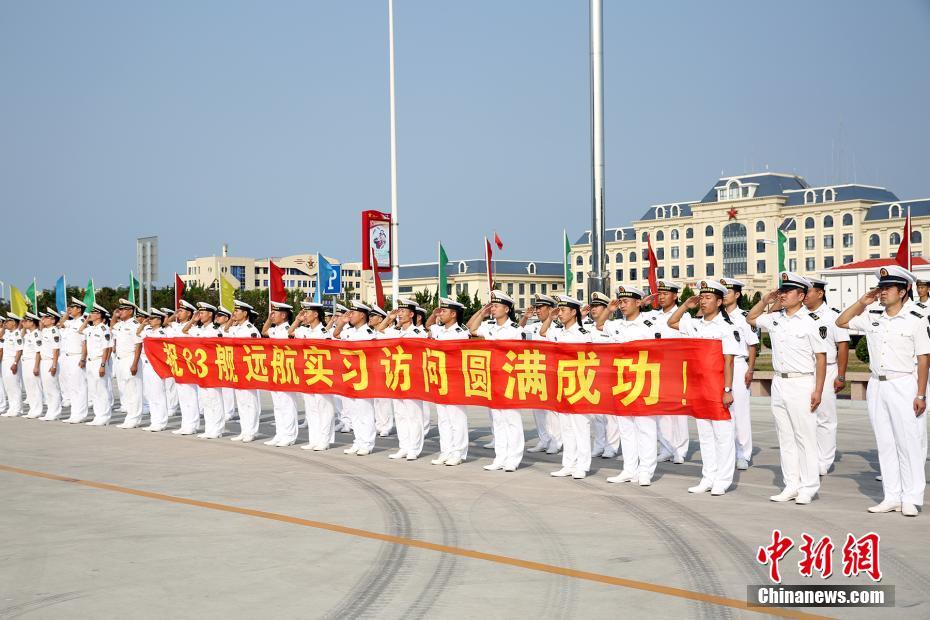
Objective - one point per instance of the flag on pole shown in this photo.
(567, 263)
(379, 288)
(276, 290)
(179, 291)
(90, 296)
(133, 290)
(324, 274)
(227, 292)
(782, 244)
(498, 242)
(61, 295)
(443, 285)
(487, 262)
(32, 296)
(18, 304)
(903, 255)
(653, 265)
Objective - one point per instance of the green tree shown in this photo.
(862, 350)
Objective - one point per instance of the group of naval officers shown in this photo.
(72, 360)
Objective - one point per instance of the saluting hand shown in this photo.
(647, 300)
(771, 297)
(614, 305)
(692, 302)
(869, 297)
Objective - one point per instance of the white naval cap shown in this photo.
(788, 280)
(77, 303)
(407, 304)
(376, 309)
(341, 309)
(167, 311)
(543, 300)
(30, 316)
(100, 310)
(360, 307)
(568, 302)
(711, 286)
(13, 317)
(50, 312)
(732, 283)
(311, 305)
(667, 286)
(446, 302)
(818, 283)
(202, 305)
(156, 312)
(280, 305)
(224, 311)
(187, 306)
(500, 297)
(142, 313)
(893, 274)
(241, 305)
(599, 299)
(125, 304)
(629, 292)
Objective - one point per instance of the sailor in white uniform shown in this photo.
(674, 437)
(278, 326)
(547, 422)
(127, 347)
(320, 413)
(12, 366)
(452, 421)
(353, 326)
(99, 370)
(72, 360)
(153, 385)
(743, 368)
(32, 373)
(247, 400)
(49, 350)
(384, 407)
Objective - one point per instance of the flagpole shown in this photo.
(910, 254)
(439, 272)
(395, 266)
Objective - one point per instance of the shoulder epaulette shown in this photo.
(875, 311)
(835, 310)
(917, 314)
(514, 324)
(728, 320)
(370, 330)
(745, 312)
(647, 322)
(582, 329)
(813, 316)
(458, 328)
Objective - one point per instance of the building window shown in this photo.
(643, 236)
(523, 286)
(894, 211)
(708, 249)
(645, 254)
(760, 246)
(660, 213)
(579, 260)
(828, 221)
(874, 241)
(675, 251)
(674, 234)
(847, 219)
(660, 236)
(660, 254)
(810, 196)
(809, 263)
(793, 264)
(708, 231)
(689, 233)
(847, 240)
(760, 266)
(543, 287)
(619, 257)
(828, 262)
(532, 288)
(619, 275)
(793, 244)
(675, 211)
(828, 241)
(509, 289)
(894, 238)
(916, 237)
(660, 273)
(632, 275)
(809, 242)
(709, 269)
(675, 271)
(531, 269)
(760, 226)
(847, 258)
(632, 257)
(689, 251)
(258, 283)
(809, 223)
(734, 249)
(689, 270)
(579, 277)
(829, 195)
(875, 255)
(579, 294)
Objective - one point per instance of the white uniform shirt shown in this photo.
(411, 331)
(640, 328)
(279, 332)
(894, 341)
(452, 332)
(795, 340)
(575, 333)
(531, 331)
(715, 329)
(49, 342)
(151, 332)
(210, 330)
(12, 342)
(124, 335)
(357, 333)
(830, 331)
(244, 330)
(176, 329)
(72, 340)
(490, 330)
(31, 342)
(659, 318)
(748, 334)
(98, 340)
(313, 333)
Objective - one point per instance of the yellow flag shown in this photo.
(18, 305)
(227, 290)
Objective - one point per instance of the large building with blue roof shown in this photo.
(732, 231)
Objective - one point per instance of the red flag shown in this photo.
(276, 290)
(379, 289)
(497, 240)
(178, 290)
(487, 261)
(653, 266)
(903, 255)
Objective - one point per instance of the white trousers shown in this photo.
(214, 416)
(250, 411)
(171, 393)
(606, 433)
(638, 441)
(3, 403)
(285, 417)
(229, 403)
(189, 403)
(130, 389)
(33, 385)
(674, 436)
(426, 411)
(320, 413)
(13, 384)
(548, 428)
(99, 390)
(508, 437)
(826, 420)
(343, 412)
(74, 385)
(576, 441)
(361, 414)
(154, 388)
(718, 452)
(796, 426)
(384, 415)
(739, 410)
(453, 431)
(898, 435)
(408, 419)
(51, 390)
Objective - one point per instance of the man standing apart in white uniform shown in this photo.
(899, 344)
(128, 348)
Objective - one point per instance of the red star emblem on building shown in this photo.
(731, 214)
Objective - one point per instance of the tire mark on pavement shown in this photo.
(21, 609)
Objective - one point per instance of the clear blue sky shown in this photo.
(265, 124)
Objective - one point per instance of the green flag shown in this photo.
(18, 305)
(31, 296)
(133, 289)
(782, 243)
(227, 292)
(443, 260)
(90, 296)
(567, 263)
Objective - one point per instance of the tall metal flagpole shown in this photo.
(395, 266)
(597, 280)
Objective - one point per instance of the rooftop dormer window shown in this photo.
(462, 267)
(894, 211)
(734, 190)
(676, 211)
(810, 197)
(531, 269)
(660, 213)
(829, 195)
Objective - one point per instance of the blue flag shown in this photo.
(328, 278)
(61, 295)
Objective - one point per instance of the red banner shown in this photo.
(650, 377)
